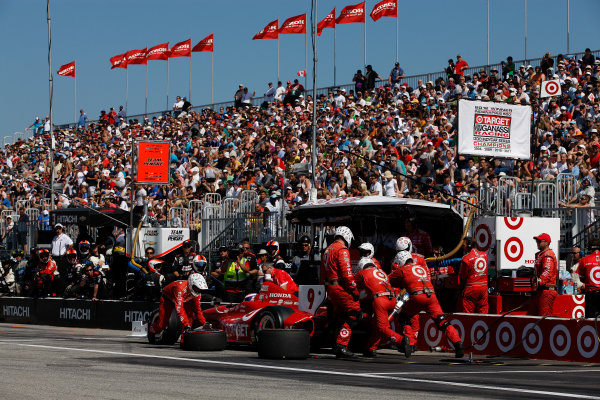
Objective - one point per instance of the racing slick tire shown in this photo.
(292, 344)
(168, 336)
(200, 340)
(268, 318)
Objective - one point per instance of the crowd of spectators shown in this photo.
(395, 127)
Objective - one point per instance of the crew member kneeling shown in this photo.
(184, 296)
(415, 279)
(545, 271)
(279, 277)
(375, 283)
(473, 280)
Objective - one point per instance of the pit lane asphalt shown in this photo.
(73, 363)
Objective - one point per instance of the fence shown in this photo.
(412, 80)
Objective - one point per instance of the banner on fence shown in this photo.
(493, 129)
(152, 162)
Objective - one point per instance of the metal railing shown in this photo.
(412, 80)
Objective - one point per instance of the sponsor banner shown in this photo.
(164, 240)
(519, 336)
(550, 88)
(67, 70)
(119, 61)
(494, 129)
(352, 14)
(181, 49)
(112, 314)
(17, 309)
(152, 162)
(327, 22)
(271, 31)
(385, 8)
(159, 52)
(136, 57)
(515, 245)
(66, 312)
(205, 44)
(293, 25)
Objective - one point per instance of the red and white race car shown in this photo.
(271, 308)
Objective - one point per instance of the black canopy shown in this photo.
(96, 217)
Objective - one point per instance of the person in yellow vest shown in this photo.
(236, 275)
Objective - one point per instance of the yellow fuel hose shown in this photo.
(460, 243)
(137, 235)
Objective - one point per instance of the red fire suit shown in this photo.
(341, 289)
(418, 259)
(474, 281)
(545, 268)
(284, 280)
(415, 279)
(376, 284)
(589, 273)
(177, 295)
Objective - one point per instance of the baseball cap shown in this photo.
(543, 236)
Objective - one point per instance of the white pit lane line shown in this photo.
(310, 371)
(504, 371)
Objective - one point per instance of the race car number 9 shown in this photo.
(310, 297)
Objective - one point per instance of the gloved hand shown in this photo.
(187, 328)
(207, 326)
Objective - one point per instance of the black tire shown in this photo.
(266, 319)
(204, 340)
(170, 335)
(291, 344)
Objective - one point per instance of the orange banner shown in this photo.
(153, 162)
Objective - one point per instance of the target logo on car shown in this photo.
(551, 88)
(513, 249)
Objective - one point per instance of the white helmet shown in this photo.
(365, 262)
(404, 244)
(196, 283)
(367, 247)
(345, 233)
(401, 258)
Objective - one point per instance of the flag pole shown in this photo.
(190, 88)
(334, 40)
(75, 99)
(50, 84)
(397, 18)
(305, 58)
(365, 38)
(313, 158)
(146, 102)
(126, 88)
(167, 108)
(525, 29)
(212, 75)
(568, 28)
(488, 32)
(277, 58)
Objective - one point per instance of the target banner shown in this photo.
(494, 129)
(561, 339)
(551, 88)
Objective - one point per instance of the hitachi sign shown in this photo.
(133, 315)
(15, 311)
(75, 313)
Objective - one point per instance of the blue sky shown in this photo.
(90, 32)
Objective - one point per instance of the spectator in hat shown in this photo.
(396, 75)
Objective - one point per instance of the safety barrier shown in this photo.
(178, 217)
(566, 185)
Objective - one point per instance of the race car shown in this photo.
(271, 308)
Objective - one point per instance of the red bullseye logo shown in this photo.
(578, 312)
(595, 275)
(560, 340)
(483, 237)
(480, 265)
(513, 223)
(344, 333)
(513, 249)
(532, 338)
(587, 343)
(432, 335)
(505, 336)
(579, 298)
(552, 88)
(479, 119)
(419, 271)
(378, 274)
(479, 335)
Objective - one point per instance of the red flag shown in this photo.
(271, 31)
(119, 61)
(385, 8)
(160, 52)
(327, 22)
(182, 49)
(67, 70)
(302, 73)
(292, 25)
(205, 44)
(352, 14)
(136, 57)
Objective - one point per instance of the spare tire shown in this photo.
(283, 344)
(200, 340)
(168, 336)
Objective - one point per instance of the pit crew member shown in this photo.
(367, 250)
(588, 270)
(417, 283)
(473, 278)
(545, 272)
(279, 277)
